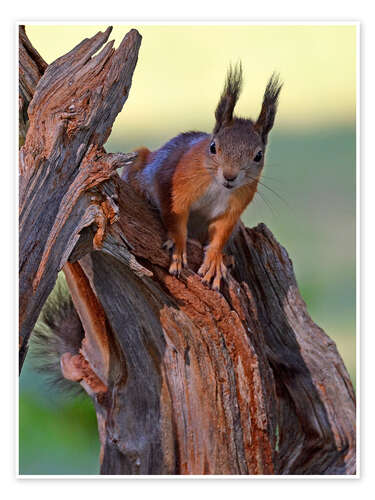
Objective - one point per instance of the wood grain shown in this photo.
(236, 383)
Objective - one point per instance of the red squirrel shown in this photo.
(201, 183)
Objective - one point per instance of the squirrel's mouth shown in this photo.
(228, 185)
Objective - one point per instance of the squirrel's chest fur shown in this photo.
(213, 202)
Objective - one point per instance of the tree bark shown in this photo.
(31, 68)
(70, 118)
(185, 380)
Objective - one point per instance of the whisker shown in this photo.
(272, 191)
(276, 194)
(272, 178)
(268, 204)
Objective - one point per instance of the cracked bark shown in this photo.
(63, 161)
(184, 380)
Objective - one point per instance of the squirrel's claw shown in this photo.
(179, 261)
(213, 269)
(177, 265)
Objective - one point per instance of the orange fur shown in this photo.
(190, 179)
(219, 231)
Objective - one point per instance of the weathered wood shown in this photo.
(185, 380)
(71, 116)
(31, 68)
(236, 383)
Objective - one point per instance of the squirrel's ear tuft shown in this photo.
(267, 114)
(229, 97)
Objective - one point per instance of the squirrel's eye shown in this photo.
(213, 148)
(258, 156)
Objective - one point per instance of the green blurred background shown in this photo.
(310, 174)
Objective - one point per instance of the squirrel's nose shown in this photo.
(230, 178)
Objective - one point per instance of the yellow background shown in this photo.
(181, 70)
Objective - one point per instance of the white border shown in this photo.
(137, 23)
(189, 23)
(358, 247)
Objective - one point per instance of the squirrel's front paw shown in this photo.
(178, 260)
(213, 268)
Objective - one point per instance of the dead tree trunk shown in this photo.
(184, 380)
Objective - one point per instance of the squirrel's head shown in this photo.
(237, 147)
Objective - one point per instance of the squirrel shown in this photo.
(201, 183)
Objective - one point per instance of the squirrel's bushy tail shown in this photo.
(58, 330)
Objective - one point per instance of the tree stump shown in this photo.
(185, 380)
